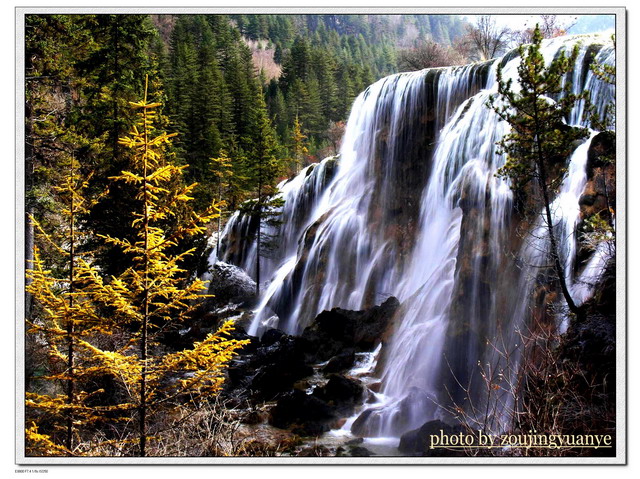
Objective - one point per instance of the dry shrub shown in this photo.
(209, 430)
(429, 55)
(535, 388)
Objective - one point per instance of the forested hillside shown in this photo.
(82, 70)
(309, 67)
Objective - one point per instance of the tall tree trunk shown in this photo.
(28, 205)
(259, 238)
(553, 244)
(145, 317)
(219, 218)
(70, 324)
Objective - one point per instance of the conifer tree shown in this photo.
(298, 146)
(67, 323)
(110, 79)
(149, 298)
(222, 170)
(539, 134)
(310, 107)
(263, 170)
(53, 46)
(153, 293)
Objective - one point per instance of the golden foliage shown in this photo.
(151, 296)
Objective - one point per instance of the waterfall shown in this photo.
(300, 194)
(415, 210)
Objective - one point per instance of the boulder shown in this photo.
(314, 414)
(341, 362)
(240, 334)
(278, 366)
(334, 331)
(305, 414)
(353, 451)
(418, 441)
(359, 451)
(341, 393)
(373, 323)
(230, 284)
(359, 426)
(271, 336)
(271, 369)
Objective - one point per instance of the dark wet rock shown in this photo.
(341, 393)
(280, 362)
(230, 284)
(353, 449)
(590, 341)
(375, 387)
(359, 451)
(278, 367)
(334, 331)
(269, 370)
(418, 441)
(359, 426)
(601, 151)
(241, 335)
(354, 442)
(341, 362)
(303, 413)
(200, 325)
(314, 414)
(237, 373)
(271, 336)
(373, 323)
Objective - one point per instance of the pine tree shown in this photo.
(346, 90)
(310, 108)
(298, 146)
(110, 80)
(121, 43)
(263, 170)
(326, 73)
(539, 134)
(152, 293)
(223, 171)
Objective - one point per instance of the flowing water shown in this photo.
(415, 210)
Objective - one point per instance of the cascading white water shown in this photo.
(415, 211)
(421, 337)
(300, 195)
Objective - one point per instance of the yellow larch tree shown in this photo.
(65, 323)
(298, 145)
(155, 293)
(79, 315)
